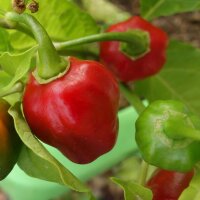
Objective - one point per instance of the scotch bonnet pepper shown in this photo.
(76, 113)
(10, 144)
(129, 68)
(168, 136)
(168, 185)
(69, 104)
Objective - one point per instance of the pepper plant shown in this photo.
(61, 74)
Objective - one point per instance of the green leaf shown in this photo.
(103, 10)
(4, 40)
(193, 190)
(5, 5)
(63, 21)
(14, 68)
(13, 98)
(178, 80)
(134, 191)
(128, 169)
(4, 79)
(151, 9)
(36, 161)
(17, 64)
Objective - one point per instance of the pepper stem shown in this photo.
(135, 43)
(143, 173)
(178, 129)
(135, 101)
(50, 64)
(132, 98)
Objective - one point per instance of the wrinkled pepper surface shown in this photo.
(76, 113)
(127, 68)
(168, 136)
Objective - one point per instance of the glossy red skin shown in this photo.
(76, 113)
(127, 69)
(168, 185)
(10, 144)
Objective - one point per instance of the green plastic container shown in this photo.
(20, 186)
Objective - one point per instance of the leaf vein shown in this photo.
(171, 89)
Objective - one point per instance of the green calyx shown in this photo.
(134, 51)
(168, 136)
(50, 63)
(179, 129)
(44, 81)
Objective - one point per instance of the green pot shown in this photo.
(20, 186)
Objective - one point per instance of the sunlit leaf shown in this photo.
(36, 161)
(178, 80)
(155, 8)
(63, 20)
(133, 190)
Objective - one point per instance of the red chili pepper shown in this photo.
(76, 113)
(168, 185)
(130, 69)
(10, 144)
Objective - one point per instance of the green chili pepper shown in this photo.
(168, 136)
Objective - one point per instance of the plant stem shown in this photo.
(50, 63)
(18, 87)
(143, 173)
(177, 129)
(135, 101)
(134, 43)
(137, 41)
(132, 98)
(86, 53)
